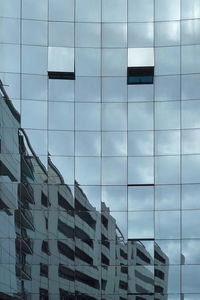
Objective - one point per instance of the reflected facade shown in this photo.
(100, 152)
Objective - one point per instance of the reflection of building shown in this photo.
(63, 246)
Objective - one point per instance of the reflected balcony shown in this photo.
(24, 218)
(26, 193)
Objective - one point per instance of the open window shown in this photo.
(61, 63)
(140, 66)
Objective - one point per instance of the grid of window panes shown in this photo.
(100, 179)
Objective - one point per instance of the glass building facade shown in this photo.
(100, 149)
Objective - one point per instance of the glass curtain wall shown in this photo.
(99, 149)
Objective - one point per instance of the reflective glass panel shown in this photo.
(167, 197)
(167, 33)
(114, 143)
(87, 116)
(31, 10)
(13, 27)
(140, 143)
(61, 143)
(143, 116)
(88, 11)
(140, 198)
(87, 62)
(87, 170)
(140, 10)
(114, 35)
(140, 34)
(114, 10)
(190, 168)
(118, 111)
(190, 116)
(167, 142)
(115, 197)
(190, 32)
(190, 196)
(167, 115)
(167, 88)
(114, 170)
(60, 59)
(167, 169)
(167, 10)
(114, 62)
(61, 116)
(61, 34)
(167, 60)
(87, 89)
(190, 224)
(87, 143)
(34, 87)
(140, 170)
(38, 112)
(61, 10)
(167, 225)
(11, 58)
(140, 225)
(87, 35)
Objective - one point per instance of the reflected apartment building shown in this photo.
(100, 151)
(54, 243)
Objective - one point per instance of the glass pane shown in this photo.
(114, 10)
(114, 35)
(140, 34)
(140, 143)
(167, 60)
(88, 11)
(191, 141)
(190, 32)
(60, 59)
(87, 35)
(140, 170)
(61, 116)
(167, 169)
(190, 196)
(10, 8)
(34, 32)
(13, 27)
(167, 88)
(190, 252)
(61, 34)
(167, 115)
(38, 140)
(167, 197)
(87, 170)
(38, 62)
(114, 170)
(167, 33)
(115, 198)
(87, 89)
(93, 194)
(87, 116)
(190, 61)
(190, 87)
(31, 9)
(61, 143)
(171, 250)
(65, 165)
(190, 115)
(114, 62)
(190, 282)
(34, 87)
(119, 116)
(11, 84)
(61, 90)
(38, 112)
(11, 58)
(171, 276)
(140, 10)
(190, 9)
(87, 143)
(114, 89)
(140, 225)
(61, 10)
(167, 10)
(190, 224)
(143, 116)
(140, 198)
(87, 62)
(190, 168)
(140, 92)
(167, 225)
(167, 142)
(114, 143)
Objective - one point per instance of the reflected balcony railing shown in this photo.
(24, 217)
(26, 192)
(23, 271)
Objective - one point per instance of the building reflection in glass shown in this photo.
(54, 244)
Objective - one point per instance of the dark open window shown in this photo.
(140, 75)
(61, 75)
